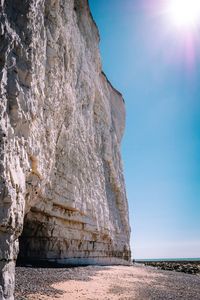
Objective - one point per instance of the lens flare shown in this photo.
(185, 13)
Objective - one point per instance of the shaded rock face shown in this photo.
(61, 124)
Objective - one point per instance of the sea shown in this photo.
(167, 259)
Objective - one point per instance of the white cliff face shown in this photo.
(61, 124)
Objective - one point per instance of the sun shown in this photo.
(184, 13)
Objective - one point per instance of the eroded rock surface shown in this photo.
(61, 124)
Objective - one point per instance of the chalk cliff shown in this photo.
(61, 124)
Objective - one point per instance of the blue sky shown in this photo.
(157, 68)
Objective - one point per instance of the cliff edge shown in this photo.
(62, 193)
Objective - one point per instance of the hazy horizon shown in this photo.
(157, 69)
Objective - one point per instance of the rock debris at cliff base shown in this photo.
(61, 123)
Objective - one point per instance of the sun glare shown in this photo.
(185, 13)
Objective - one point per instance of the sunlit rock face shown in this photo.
(61, 126)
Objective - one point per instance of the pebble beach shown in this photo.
(102, 283)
